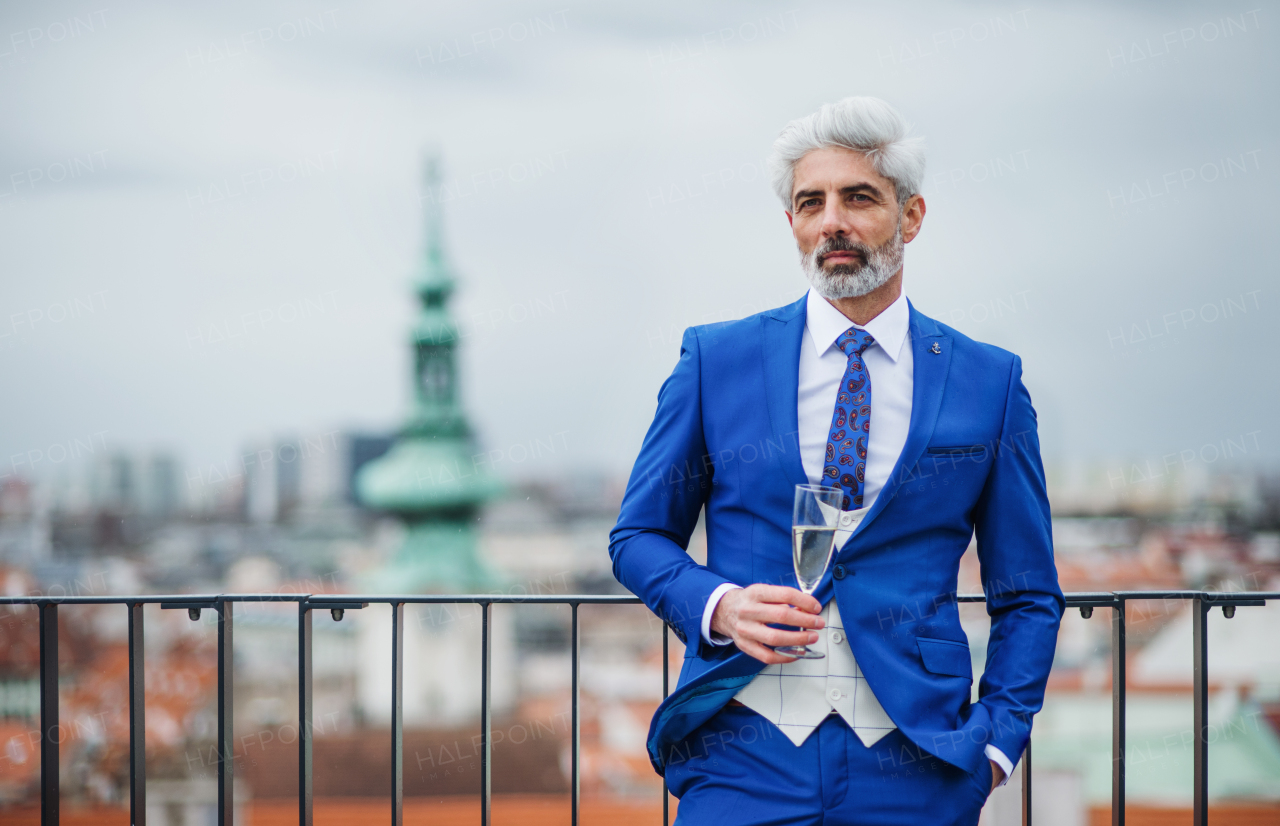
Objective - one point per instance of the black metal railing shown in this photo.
(1202, 603)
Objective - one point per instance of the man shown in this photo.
(930, 436)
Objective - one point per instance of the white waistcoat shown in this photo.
(797, 696)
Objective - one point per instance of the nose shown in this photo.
(834, 220)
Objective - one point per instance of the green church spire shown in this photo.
(437, 410)
(435, 281)
(434, 477)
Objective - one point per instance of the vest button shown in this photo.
(838, 572)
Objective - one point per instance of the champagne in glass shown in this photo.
(811, 548)
(813, 532)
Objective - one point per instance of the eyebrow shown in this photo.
(847, 190)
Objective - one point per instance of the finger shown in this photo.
(774, 593)
(783, 615)
(773, 637)
(806, 602)
(777, 638)
(787, 596)
(763, 654)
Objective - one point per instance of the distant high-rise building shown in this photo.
(162, 488)
(128, 482)
(301, 476)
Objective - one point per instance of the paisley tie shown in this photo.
(845, 465)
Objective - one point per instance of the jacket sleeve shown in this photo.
(1015, 549)
(669, 485)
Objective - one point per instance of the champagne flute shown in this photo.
(814, 520)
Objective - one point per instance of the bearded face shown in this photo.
(849, 280)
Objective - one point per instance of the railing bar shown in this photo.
(1200, 671)
(1119, 685)
(575, 747)
(50, 782)
(1073, 599)
(397, 713)
(137, 718)
(226, 719)
(1026, 785)
(666, 691)
(305, 811)
(479, 599)
(666, 668)
(486, 722)
(1202, 601)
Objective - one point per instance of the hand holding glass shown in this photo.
(813, 532)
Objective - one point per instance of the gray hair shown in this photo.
(863, 124)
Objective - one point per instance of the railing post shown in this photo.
(226, 719)
(575, 745)
(397, 713)
(1119, 680)
(666, 690)
(486, 721)
(1026, 784)
(1200, 672)
(305, 812)
(137, 718)
(50, 732)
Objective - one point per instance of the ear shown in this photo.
(912, 218)
(790, 223)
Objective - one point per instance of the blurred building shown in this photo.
(306, 478)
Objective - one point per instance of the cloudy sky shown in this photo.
(210, 217)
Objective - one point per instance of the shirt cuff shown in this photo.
(998, 757)
(712, 602)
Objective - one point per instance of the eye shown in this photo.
(808, 202)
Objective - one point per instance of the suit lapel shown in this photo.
(782, 335)
(929, 379)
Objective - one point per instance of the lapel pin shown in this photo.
(935, 349)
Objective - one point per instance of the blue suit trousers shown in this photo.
(738, 769)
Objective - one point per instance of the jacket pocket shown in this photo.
(966, 451)
(945, 657)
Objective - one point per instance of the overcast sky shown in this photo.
(210, 217)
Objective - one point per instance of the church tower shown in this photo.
(434, 477)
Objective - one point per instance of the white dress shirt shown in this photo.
(890, 367)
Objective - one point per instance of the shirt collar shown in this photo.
(825, 324)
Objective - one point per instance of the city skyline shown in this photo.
(197, 278)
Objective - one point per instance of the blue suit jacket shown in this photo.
(724, 438)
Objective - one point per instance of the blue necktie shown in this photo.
(845, 465)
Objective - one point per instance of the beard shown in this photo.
(879, 264)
